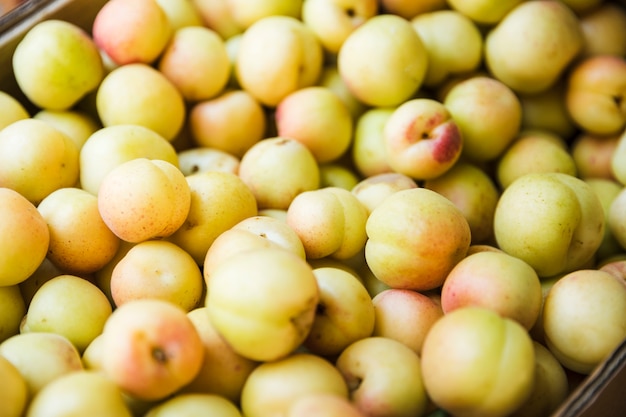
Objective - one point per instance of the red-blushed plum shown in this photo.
(144, 199)
(219, 200)
(488, 12)
(70, 306)
(276, 56)
(231, 122)
(595, 92)
(41, 358)
(317, 118)
(36, 159)
(345, 312)
(195, 60)
(534, 151)
(223, 371)
(496, 106)
(593, 154)
(182, 404)
(80, 393)
(551, 386)
(380, 69)
(531, 62)
(157, 269)
(139, 94)
(26, 237)
(334, 20)
(456, 50)
(277, 169)
(330, 221)
(579, 301)
(14, 397)
(474, 192)
(150, 349)
(56, 64)
(405, 316)
(552, 221)
(384, 377)
(478, 363)
(368, 143)
(80, 241)
(131, 31)
(497, 281)
(372, 190)
(421, 139)
(243, 305)
(274, 386)
(416, 236)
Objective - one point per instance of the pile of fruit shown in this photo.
(292, 208)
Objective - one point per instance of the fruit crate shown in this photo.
(599, 394)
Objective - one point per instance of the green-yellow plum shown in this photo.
(157, 269)
(36, 158)
(383, 61)
(277, 169)
(368, 144)
(534, 152)
(143, 199)
(12, 309)
(200, 159)
(422, 140)
(607, 190)
(76, 124)
(334, 20)
(486, 12)
(553, 221)
(456, 50)
(196, 61)
(14, 396)
(188, 405)
(131, 31)
(345, 312)
(416, 236)
(274, 386)
(80, 241)
(11, 110)
(56, 64)
(258, 322)
(604, 30)
(231, 122)
(547, 111)
(219, 200)
(70, 306)
(384, 377)
(79, 393)
(532, 61)
(409, 8)
(474, 192)
(246, 12)
(337, 174)
(111, 146)
(374, 189)
(319, 119)
(497, 281)
(180, 13)
(579, 301)
(478, 363)
(150, 349)
(140, 94)
(276, 56)
(223, 371)
(495, 105)
(331, 78)
(329, 221)
(405, 316)
(41, 358)
(26, 237)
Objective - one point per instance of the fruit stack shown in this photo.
(376, 208)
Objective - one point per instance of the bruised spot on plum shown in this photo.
(448, 143)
